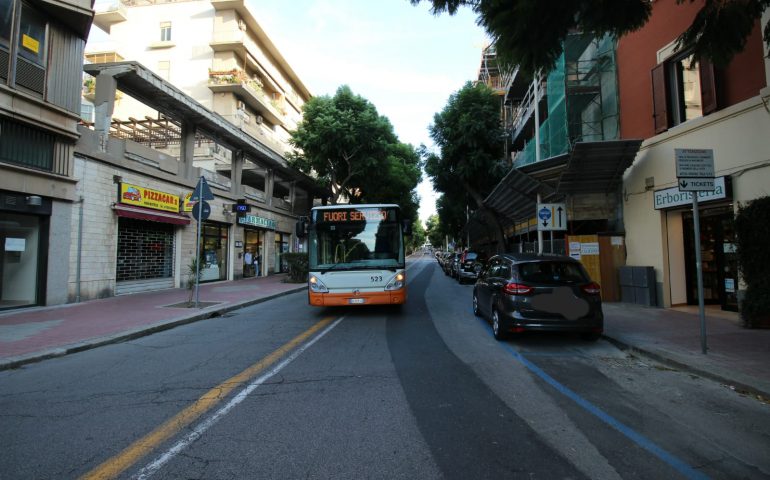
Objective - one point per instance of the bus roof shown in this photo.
(350, 205)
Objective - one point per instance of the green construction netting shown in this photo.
(582, 99)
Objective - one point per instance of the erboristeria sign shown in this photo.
(672, 197)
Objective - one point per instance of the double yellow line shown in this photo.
(140, 448)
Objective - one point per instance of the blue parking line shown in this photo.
(686, 470)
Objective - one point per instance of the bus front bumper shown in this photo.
(393, 297)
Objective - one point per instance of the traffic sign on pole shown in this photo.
(696, 185)
(694, 162)
(202, 191)
(551, 217)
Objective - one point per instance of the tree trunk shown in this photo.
(501, 245)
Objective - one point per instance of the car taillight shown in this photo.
(517, 289)
(592, 288)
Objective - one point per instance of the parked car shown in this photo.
(449, 263)
(454, 265)
(470, 265)
(524, 291)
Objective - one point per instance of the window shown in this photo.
(682, 89)
(32, 37)
(164, 69)
(6, 20)
(165, 31)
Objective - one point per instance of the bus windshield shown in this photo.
(346, 238)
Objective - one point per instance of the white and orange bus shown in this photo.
(356, 255)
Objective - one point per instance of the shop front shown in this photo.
(717, 240)
(214, 251)
(253, 239)
(147, 224)
(24, 228)
(256, 233)
(281, 247)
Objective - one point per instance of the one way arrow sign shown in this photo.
(551, 216)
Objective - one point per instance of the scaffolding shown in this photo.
(581, 99)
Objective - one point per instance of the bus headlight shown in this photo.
(397, 282)
(316, 285)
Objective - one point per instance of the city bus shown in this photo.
(356, 255)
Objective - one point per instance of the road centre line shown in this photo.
(114, 466)
(639, 439)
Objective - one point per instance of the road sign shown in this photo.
(205, 211)
(696, 185)
(202, 191)
(694, 163)
(551, 216)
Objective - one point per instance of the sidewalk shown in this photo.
(35, 334)
(737, 356)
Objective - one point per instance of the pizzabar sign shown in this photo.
(146, 197)
(353, 215)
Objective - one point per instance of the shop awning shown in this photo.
(141, 213)
(597, 167)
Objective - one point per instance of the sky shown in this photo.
(400, 57)
(403, 59)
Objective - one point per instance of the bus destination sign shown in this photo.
(353, 215)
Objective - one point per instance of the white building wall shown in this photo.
(738, 136)
(192, 25)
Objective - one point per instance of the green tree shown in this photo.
(418, 236)
(433, 231)
(470, 162)
(342, 140)
(395, 181)
(530, 33)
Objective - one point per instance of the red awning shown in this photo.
(142, 213)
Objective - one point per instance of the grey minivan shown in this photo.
(523, 291)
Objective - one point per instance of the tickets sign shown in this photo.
(148, 198)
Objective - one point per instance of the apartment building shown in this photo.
(182, 91)
(674, 101)
(41, 60)
(563, 142)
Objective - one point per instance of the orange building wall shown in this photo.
(637, 55)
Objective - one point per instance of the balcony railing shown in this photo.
(251, 90)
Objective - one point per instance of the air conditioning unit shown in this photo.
(240, 105)
(259, 119)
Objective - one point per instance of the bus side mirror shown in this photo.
(301, 227)
(407, 227)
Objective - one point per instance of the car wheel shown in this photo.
(497, 328)
(476, 305)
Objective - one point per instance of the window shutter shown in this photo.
(659, 98)
(708, 91)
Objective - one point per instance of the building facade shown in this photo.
(675, 101)
(563, 143)
(41, 59)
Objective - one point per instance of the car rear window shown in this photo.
(552, 272)
(471, 256)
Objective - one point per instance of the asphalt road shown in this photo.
(283, 390)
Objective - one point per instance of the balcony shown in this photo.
(108, 15)
(249, 90)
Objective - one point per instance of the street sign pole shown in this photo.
(699, 271)
(199, 206)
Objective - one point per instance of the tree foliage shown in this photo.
(351, 149)
(470, 161)
(530, 33)
(434, 231)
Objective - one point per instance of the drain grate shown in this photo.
(192, 305)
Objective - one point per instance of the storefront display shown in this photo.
(252, 253)
(20, 264)
(214, 251)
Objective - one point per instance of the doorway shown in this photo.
(718, 257)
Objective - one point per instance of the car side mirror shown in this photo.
(407, 228)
